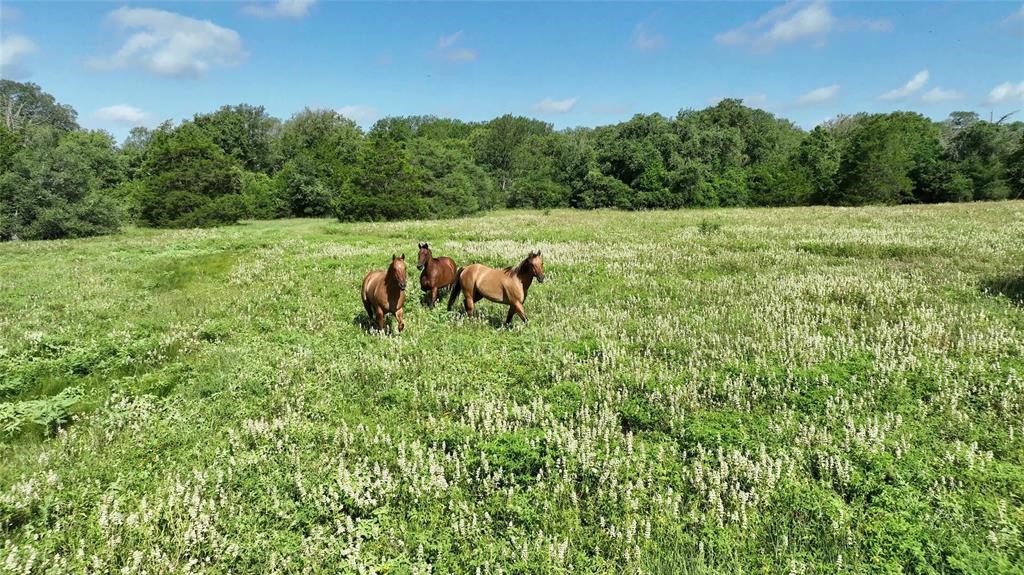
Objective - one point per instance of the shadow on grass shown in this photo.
(442, 298)
(368, 327)
(495, 320)
(425, 300)
(1011, 287)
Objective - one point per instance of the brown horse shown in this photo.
(384, 293)
(438, 273)
(508, 286)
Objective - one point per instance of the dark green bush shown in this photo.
(190, 182)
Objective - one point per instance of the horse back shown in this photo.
(448, 262)
(447, 272)
(495, 285)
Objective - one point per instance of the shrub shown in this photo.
(708, 227)
(260, 196)
(53, 187)
(96, 215)
(301, 189)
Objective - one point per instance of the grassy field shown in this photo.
(809, 390)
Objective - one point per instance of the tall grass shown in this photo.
(808, 390)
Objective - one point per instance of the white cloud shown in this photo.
(358, 113)
(281, 9)
(938, 95)
(448, 48)
(793, 22)
(550, 106)
(13, 49)
(122, 114)
(645, 40)
(1015, 22)
(819, 95)
(449, 40)
(915, 84)
(170, 44)
(786, 24)
(460, 55)
(1006, 92)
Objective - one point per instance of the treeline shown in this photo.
(238, 162)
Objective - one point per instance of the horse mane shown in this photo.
(516, 269)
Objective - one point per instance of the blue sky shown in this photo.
(571, 64)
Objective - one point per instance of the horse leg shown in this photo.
(400, 316)
(469, 303)
(380, 318)
(369, 310)
(518, 309)
(433, 296)
(511, 314)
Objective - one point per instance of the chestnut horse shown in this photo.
(438, 273)
(384, 293)
(508, 286)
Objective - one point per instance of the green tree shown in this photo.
(245, 133)
(434, 128)
(190, 181)
(10, 143)
(26, 104)
(385, 184)
(450, 183)
(260, 196)
(537, 182)
(1015, 170)
(55, 183)
(818, 158)
(499, 148)
(979, 151)
(886, 160)
(320, 149)
(302, 188)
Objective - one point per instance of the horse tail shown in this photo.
(456, 289)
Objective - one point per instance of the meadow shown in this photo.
(802, 390)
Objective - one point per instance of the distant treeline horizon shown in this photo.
(58, 180)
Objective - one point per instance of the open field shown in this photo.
(807, 390)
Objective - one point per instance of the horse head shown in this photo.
(397, 270)
(535, 265)
(424, 257)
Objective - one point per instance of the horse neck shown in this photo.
(525, 278)
(390, 277)
(431, 261)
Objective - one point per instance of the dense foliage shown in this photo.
(240, 162)
(809, 390)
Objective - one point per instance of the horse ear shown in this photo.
(403, 256)
(394, 257)
(538, 252)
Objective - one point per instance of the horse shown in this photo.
(438, 273)
(508, 286)
(384, 292)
